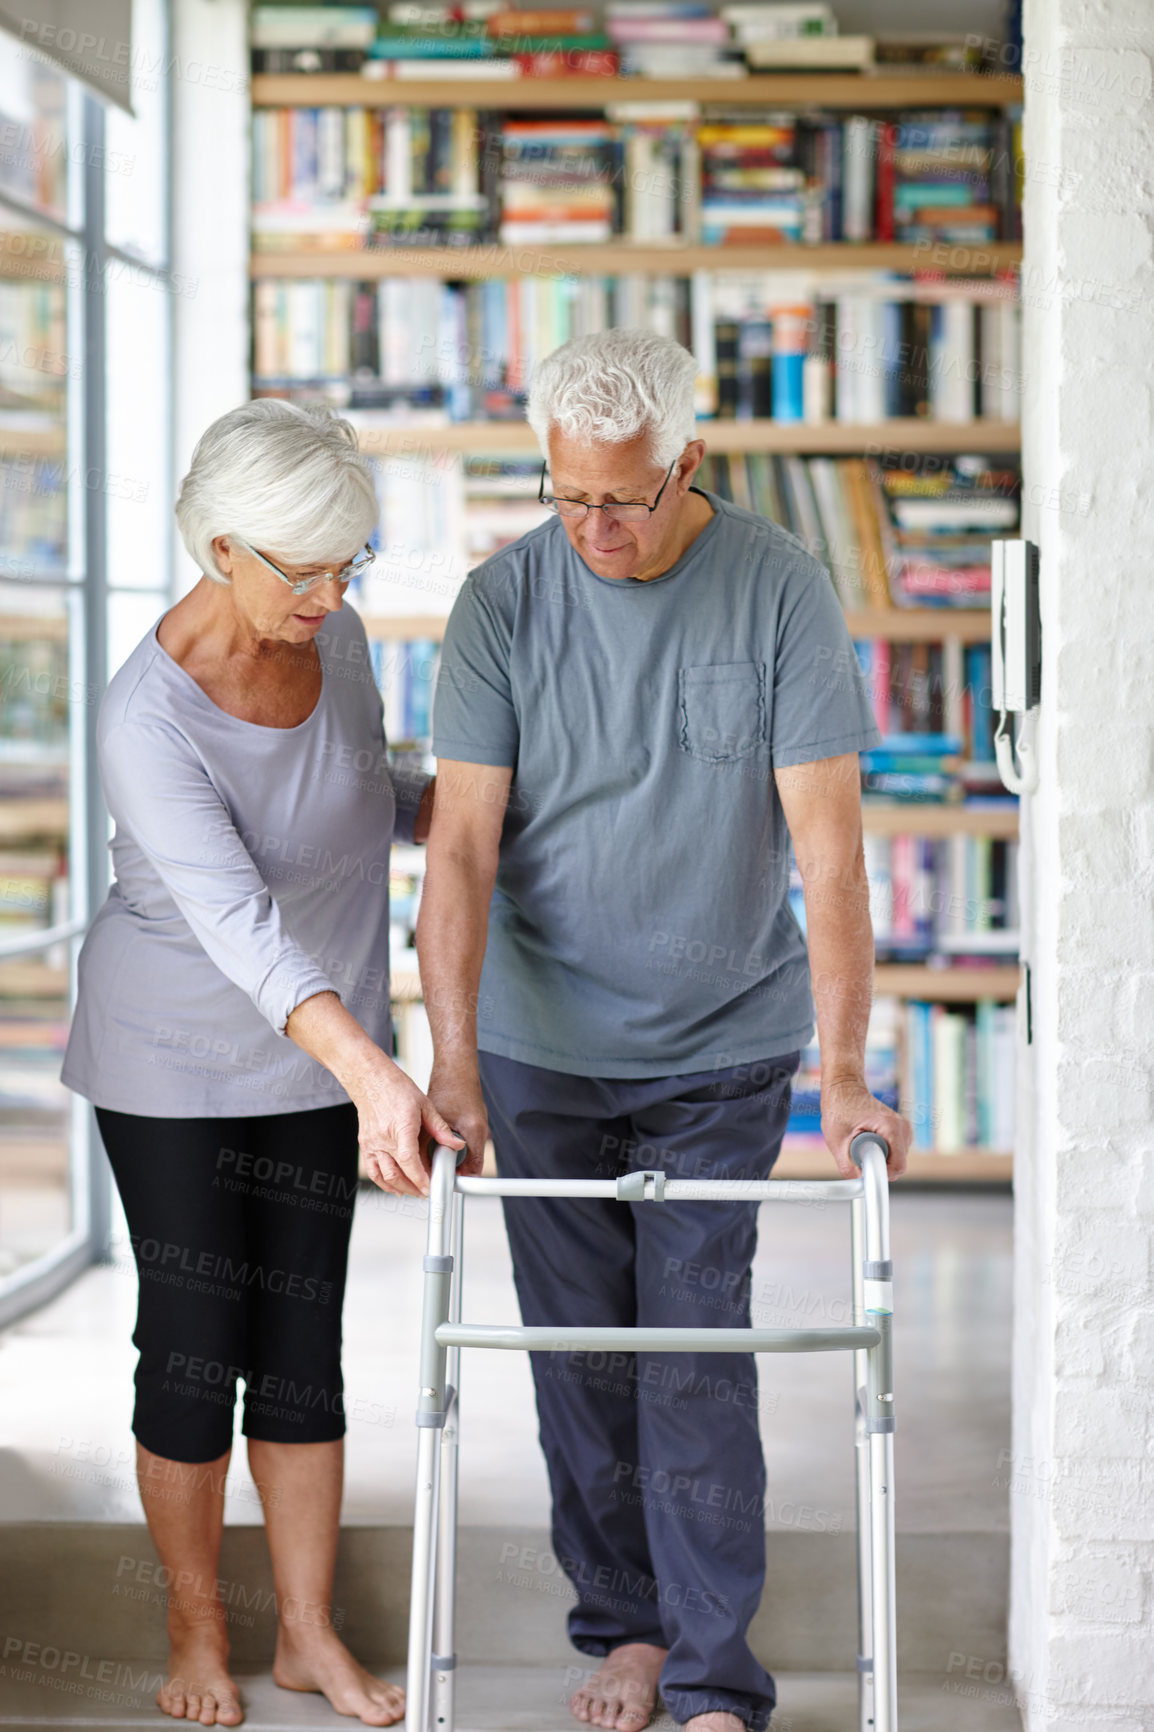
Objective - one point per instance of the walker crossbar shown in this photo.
(651, 1187)
(565, 1340)
(432, 1662)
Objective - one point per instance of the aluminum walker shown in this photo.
(432, 1662)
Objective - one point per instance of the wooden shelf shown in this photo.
(32, 441)
(21, 818)
(783, 437)
(622, 257)
(783, 90)
(902, 625)
(405, 986)
(923, 818)
(20, 979)
(920, 624)
(955, 985)
(33, 627)
(906, 980)
(802, 1159)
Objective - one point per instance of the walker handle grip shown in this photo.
(866, 1137)
(457, 1154)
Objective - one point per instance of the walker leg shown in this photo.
(444, 1657)
(431, 1418)
(879, 1419)
(865, 1642)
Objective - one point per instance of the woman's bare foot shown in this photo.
(622, 1693)
(314, 1658)
(199, 1686)
(717, 1720)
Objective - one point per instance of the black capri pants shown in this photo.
(240, 1230)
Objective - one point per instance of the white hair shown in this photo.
(614, 386)
(279, 475)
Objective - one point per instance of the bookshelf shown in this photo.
(342, 258)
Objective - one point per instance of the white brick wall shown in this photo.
(1082, 1494)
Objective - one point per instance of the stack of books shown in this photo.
(311, 38)
(558, 182)
(491, 40)
(795, 37)
(751, 190)
(949, 180)
(938, 518)
(842, 509)
(671, 39)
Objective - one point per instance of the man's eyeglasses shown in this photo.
(301, 585)
(623, 511)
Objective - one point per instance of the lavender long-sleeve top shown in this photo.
(251, 871)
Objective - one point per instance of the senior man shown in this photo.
(635, 701)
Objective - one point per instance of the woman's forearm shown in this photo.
(322, 1027)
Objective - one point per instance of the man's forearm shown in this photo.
(840, 940)
(451, 932)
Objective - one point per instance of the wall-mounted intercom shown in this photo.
(1016, 661)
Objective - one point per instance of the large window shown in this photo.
(85, 486)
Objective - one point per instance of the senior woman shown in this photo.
(233, 1029)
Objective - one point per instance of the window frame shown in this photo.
(86, 584)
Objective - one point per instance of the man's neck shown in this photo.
(695, 514)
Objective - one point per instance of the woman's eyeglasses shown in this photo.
(301, 585)
(624, 511)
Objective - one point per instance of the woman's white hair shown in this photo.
(614, 386)
(279, 475)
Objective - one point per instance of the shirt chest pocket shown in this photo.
(722, 710)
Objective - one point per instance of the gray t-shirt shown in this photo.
(641, 924)
(251, 871)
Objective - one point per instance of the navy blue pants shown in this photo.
(654, 1459)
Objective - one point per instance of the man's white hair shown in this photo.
(279, 475)
(613, 386)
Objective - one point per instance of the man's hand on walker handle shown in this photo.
(398, 1126)
(455, 1086)
(847, 1107)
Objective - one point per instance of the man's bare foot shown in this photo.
(717, 1720)
(315, 1658)
(622, 1693)
(199, 1686)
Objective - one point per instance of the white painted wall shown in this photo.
(1082, 1487)
(210, 199)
